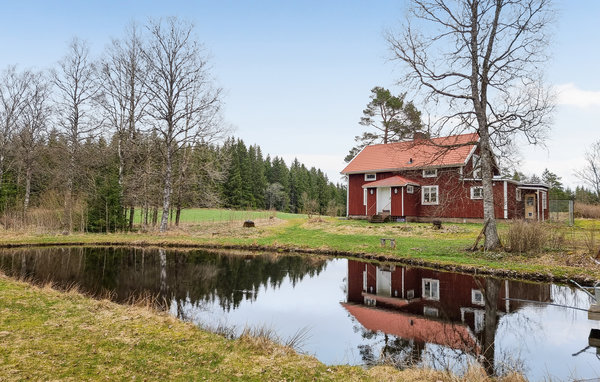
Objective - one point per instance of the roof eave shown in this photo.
(402, 169)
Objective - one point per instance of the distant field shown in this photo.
(199, 215)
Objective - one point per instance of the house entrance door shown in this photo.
(384, 283)
(384, 199)
(530, 206)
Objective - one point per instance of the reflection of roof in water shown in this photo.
(409, 326)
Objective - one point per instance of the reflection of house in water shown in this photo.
(428, 306)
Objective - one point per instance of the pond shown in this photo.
(343, 311)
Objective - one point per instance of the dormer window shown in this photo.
(370, 177)
(430, 173)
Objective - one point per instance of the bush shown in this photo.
(589, 211)
(524, 236)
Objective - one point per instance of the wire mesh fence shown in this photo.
(561, 210)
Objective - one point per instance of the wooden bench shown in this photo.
(392, 242)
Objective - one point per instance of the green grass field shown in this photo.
(200, 215)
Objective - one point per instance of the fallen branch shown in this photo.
(481, 234)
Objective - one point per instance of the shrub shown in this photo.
(589, 211)
(524, 236)
(591, 243)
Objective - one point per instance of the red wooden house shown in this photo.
(437, 178)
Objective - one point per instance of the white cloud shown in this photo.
(569, 94)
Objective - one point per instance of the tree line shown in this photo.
(136, 133)
(268, 183)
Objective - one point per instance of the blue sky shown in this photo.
(297, 75)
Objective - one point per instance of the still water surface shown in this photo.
(354, 312)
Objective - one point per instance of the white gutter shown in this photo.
(347, 196)
(402, 201)
(537, 204)
(505, 200)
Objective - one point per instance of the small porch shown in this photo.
(534, 201)
(389, 198)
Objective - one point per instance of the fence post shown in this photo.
(571, 213)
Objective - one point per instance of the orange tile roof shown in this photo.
(409, 326)
(392, 181)
(435, 152)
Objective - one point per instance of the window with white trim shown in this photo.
(477, 297)
(431, 289)
(410, 189)
(476, 192)
(364, 196)
(544, 201)
(429, 311)
(479, 318)
(430, 173)
(430, 195)
(370, 177)
(518, 195)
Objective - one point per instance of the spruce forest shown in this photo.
(134, 136)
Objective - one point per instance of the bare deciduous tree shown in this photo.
(184, 103)
(479, 63)
(75, 80)
(590, 174)
(124, 99)
(13, 89)
(33, 127)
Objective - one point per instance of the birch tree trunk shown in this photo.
(164, 221)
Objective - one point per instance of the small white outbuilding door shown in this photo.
(384, 199)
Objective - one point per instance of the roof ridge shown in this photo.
(423, 139)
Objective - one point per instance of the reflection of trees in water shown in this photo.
(193, 277)
(384, 349)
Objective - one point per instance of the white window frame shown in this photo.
(519, 195)
(473, 188)
(544, 200)
(430, 175)
(434, 289)
(429, 311)
(410, 189)
(370, 176)
(364, 196)
(427, 189)
(479, 320)
(474, 300)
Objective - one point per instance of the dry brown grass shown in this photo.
(526, 237)
(588, 211)
(393, 230)
(226, 229)
(475, 373)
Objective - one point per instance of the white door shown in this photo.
(384, 199)
(384, 283)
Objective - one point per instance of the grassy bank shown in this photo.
(567, 256)
(49, 335)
